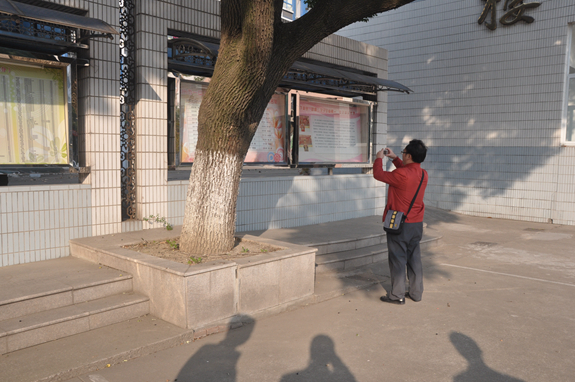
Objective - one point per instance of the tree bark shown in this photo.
(211, 203)
(256, 50)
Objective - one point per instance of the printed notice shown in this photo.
(332, 132)
(33, 124)
(267, 144)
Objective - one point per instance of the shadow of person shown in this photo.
(477, 370)
(216, 362)
(324, 364)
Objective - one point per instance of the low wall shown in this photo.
(195, 296)
(283, 202)
(36, 222)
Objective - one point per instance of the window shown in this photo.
(570, 93)
(34, 118)
(328, 130)
(268, 145)
(333, 131)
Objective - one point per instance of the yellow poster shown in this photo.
(33, 124)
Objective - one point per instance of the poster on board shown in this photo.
(33, 122)
(268, 143)
(332, 132)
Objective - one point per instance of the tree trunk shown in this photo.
(210, 215)
(233, 105)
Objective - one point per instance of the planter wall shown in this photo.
(195, 296)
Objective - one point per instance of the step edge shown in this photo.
(64, 289)
(344, 240)
(367, 254)
(34, 296)
(352, 257)
(138, 299)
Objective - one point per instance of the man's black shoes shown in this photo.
(396, 302)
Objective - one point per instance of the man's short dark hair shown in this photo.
(417, 150)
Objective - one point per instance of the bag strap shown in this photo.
(416, 192)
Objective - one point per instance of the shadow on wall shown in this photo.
(459, 173)
(477, 370)
(217, 362)
(302, 200)
(324, 364)
(494, 154)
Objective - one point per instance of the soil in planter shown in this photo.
(169, 249)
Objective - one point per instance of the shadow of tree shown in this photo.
(477, 370)
(324, 364)
(217, 362)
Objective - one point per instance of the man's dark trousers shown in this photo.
(404, 251)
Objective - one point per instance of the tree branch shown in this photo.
(326, 18)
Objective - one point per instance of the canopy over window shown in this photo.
(17, 9)
(195, 57)
(322, 75)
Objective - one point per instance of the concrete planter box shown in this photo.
(197, 296)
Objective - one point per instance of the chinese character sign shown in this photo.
(514, 11)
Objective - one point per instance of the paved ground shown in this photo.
(497, 306)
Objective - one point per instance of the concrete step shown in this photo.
(344, 261)
(360, 240)
(349, 244)
(37, 328)
(35, 287)
(333, 258)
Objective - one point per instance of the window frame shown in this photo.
(175, 124)
(333, 99)
(570, 42)
(69, 74)
(291, 131)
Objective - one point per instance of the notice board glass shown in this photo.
(33, 122)
(333, 131)
(269, 142)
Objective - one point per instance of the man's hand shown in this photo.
(390, 153)
(387, 152)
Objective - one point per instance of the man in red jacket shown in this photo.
(403, 249)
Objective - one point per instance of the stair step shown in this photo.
(33, 329)
(348, 244)
(355, 258)
(35, 287)
(350, 259)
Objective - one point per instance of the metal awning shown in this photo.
(355, 78)
(193, 56)
(17, 9)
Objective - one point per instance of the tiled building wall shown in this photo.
(99, 119)
(281, 202)
(159, 195)
(37, 222)
(153, 19)
(488, 103)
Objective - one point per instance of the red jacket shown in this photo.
(403, 183)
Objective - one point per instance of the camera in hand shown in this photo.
(385, 152)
